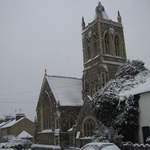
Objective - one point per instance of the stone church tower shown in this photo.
(103, 50)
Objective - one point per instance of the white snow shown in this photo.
(67, 90)
(142, 88)
(112, 62)
(91, 59)
(46, 131)
(86, 138)
(140, 84)
(78, 135)
(24, 134)
(2, 144)
(6, 149)
(71, 129)
(57, 131)
(100, 146)
(46, 146)
(11, 123)
(3, 123)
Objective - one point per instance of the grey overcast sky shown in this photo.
(39, 34)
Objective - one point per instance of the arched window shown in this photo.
(107, 44)
(46, 111)
(88, 52)
(117, 46)
(46, 119)
(88, 127)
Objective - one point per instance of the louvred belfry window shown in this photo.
(117, 46)
(106, 41)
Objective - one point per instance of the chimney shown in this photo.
(20, 115)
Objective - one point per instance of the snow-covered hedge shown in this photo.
(116, 109)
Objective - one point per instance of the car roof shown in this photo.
(100, 146)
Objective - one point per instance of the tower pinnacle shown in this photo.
(45, 72)
(119, 17)
(83, 23)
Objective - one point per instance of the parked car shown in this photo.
(18, 143)
(100, 146)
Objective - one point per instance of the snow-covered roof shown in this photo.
(2, 124)
(24, 134)
(67, 90)
(100, 145)
(45, 146)
(142, 88)
(11, 123)
(141, 84)
(46, 131)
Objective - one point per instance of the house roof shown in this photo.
(11, 123)
(66, 90)
(2, 124)
(24, 134)
(141, 84)
(142, 88)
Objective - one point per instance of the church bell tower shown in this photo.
(103, 50)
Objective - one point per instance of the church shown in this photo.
(61, 116)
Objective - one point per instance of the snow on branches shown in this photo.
(116, 109)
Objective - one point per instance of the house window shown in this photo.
(146, 133)
(56, 140)
(117, 46)
(89, 126)
(107, 44)
(46, 119)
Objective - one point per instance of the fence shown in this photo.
(135, 147)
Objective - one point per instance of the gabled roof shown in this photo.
(2, 124)
(24, 134)
(11, 123)
(66, 90)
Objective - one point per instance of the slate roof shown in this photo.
(66, 90)
(11, 123)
